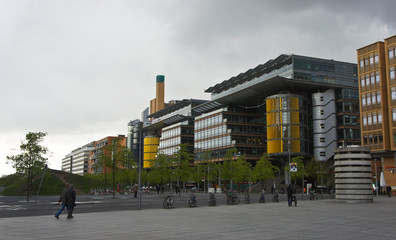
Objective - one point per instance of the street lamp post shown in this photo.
(140, 126)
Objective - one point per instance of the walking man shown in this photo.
(71, 201)
(289, 194)
(63, 200)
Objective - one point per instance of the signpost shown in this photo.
(293, 167)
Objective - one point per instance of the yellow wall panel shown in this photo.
(149, 156)
(151, 141)
(295, 146)
(148, 164)
(150, 148)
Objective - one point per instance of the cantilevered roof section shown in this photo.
(178, 105)
(261, 69)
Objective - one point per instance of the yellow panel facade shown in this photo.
(275, 126)
(150, 151)
(148, 164)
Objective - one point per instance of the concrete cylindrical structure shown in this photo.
(352, 167)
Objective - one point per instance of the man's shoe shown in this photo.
(56, 217)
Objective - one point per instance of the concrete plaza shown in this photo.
(317, 219)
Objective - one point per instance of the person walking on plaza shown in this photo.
(135, 190)
(71, 201)
(63, 200)
(289, 194)
(389, 190)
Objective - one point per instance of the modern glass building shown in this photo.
(297, 105)
(289, 106)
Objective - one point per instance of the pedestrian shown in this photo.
(177, 189)
(63, 200)
(389, 190)
(71, 201)
(289, 194)
(162, 188)
(158, 188)
(135, 189)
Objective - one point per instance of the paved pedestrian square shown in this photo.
(317, 219)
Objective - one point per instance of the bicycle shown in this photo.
(192, 202)
(212, 200)
(262, 197)
(275, 197)
(168, 201)
(232, 199)
(247, 198)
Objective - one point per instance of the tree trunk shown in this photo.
(114, 189)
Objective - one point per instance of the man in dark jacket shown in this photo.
(71, 201)
(63, 200)
(289, 194)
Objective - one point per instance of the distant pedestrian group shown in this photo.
(68, 201)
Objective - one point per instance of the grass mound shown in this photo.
(53, 183)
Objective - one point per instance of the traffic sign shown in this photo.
(293, 167)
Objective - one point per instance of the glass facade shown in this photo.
(319, 70)
(174, 135)
(230, 127)
(286, 124)
(348, 116)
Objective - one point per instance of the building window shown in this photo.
(362, 81)
(371, 60)
(321, 126)
(369, 119)
(393, 93)
(322, 154)
(361, 63)
(376, 58)
(321, 112)
(321, 98)
(368, 99)
(392, 73)
(373, 98)
(390, 51)
(377, 77)
(374, 118)
(379, 117)
(322, 139)
(364, 100)
(364, 120)
(394, 114)
(372, 78)
(378, 97)
(367, 80)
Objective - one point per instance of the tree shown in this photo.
(182, 161)
(228, 167)
(264, 170)
(316, 170)
(115, 157)
(241, 171)
(161, 170)
(31, 160)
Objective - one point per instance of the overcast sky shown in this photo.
(81, 70)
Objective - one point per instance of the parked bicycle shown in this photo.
(275, 197)
(212, 200)
(247, 198)
(232, 198)
(312, 195)
(192, 202)
(262, 197)
(168, 201)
